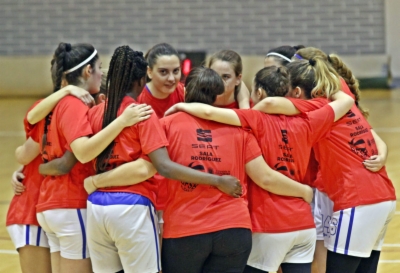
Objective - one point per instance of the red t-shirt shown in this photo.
(141, 138)
(161, 105)
(22, 209)
(69, 122)
(344, 177)
(214, 148)
(286, 144)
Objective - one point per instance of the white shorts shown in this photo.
(359, 230)
(27, 235)
(269, 250)
(322, 214)
(66, 230)
(123, 233)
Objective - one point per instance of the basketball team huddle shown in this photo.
(134, 171)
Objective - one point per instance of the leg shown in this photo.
(82, 265)
(249, 269)
(339, 263)
(319, 257)
(231, 249)
(55, 262)
(34, 259)
(296, 268)
(186, 254)
(369, 265)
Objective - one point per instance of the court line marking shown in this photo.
(3, 251)
(391, 245)
(387, 130)
(389, 261)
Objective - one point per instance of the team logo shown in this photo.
(350, 114)
(186, 186)
(204, 135)
(359, 147)
(280, 168)
(285, 138)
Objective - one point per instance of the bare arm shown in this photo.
(169, 169)
(275, 182)
(127, 174)
(204, 111)
(277, 105)
(43, 108)
(86, 149)
(27, 151)
(376, 162)
(59, 166)
(341, 104)
(243, 97)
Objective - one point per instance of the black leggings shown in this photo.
(338, 263)
(221, 251)
(286, 268)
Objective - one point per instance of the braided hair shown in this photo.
(126, 67)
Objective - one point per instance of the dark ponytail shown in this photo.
(68, 56)
(273, 80)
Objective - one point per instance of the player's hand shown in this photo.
(135, 113)
(173, 109)
(308, 194)
(81, 94)
(89, 185)
(230, 185)
(16, 182)
(374, 163)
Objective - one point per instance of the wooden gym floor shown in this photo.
(384, 107)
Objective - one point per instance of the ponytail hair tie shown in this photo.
(329, 59)
(278, 70)
(68, 47)
(312, 62)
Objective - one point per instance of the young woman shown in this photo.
(228, 64)
(352, 139)
(164, 88)
(323, 205)
(28, 237)
(283, 227)
(122, 231)
(61, 209)
(280, 56)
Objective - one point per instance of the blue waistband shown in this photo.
(118, 198)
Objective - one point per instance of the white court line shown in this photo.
(389, 261)
(397, 213)
(387, 129)
(391, 245)
(3, 251)
(12, 133)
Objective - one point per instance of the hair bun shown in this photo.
(68, 47)
(312, 62)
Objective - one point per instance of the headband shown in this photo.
(298, 56)
(279, 55)
(82, 63)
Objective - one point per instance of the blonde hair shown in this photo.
(315, 76)
(340, 67)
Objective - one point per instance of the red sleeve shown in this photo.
(151, 135)
(321, 122)
(249, 118)
(252, 149)
(181, 92)
(345, 88)
(308, 105)
(73, 119)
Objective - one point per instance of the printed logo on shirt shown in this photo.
(204, 135)
(189, 187)
(285, 138)
(350, 114)
(358, 146)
